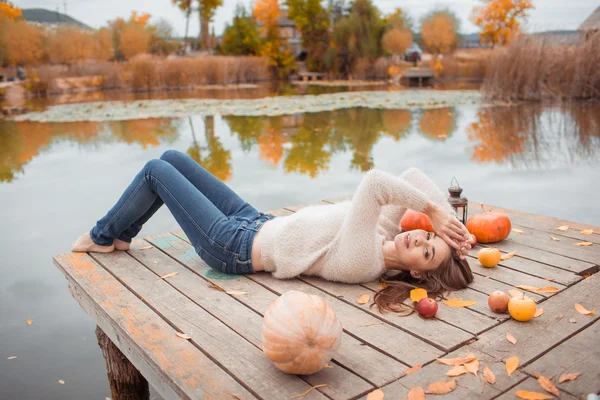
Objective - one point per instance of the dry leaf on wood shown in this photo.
(517, 231)
(418, 294)
(457, 371)
(538, 312)
(572, 320)
(441, 387)
(308, 391)
(146, 248)
(527, 395)
(328, 366)
(472, 366)
(236, 292)
(515, 293)
(453, 362)
(582, 310)
(583, 244)
(29, 321)
(168, 275)
(376, 394)
(382, 285)
(413, 369)
(183, 335)
(416, 393)
(489, 375)
(507, 255)
(212, 285)
(456, 302)
(586, 231)
(547, 385)
(61, 381)
(511, 338)
(549, 279)
(546, 289)
(511, 364)
(555, 239)
(569, 377)
(11, 357)
(364, 299)
(563, 228)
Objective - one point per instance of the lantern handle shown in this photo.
(457, 184)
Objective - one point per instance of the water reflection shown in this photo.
(523, 137)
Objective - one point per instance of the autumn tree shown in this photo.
(439, 31)
(206, 12)
(500, 19)
(130, 37)
(313, 22)
(396, 40)
(9, 11)
(103, 49)
(398, 19)
(268, 13)
(242, 37)
(21, 43)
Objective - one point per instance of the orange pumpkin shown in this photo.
(489, 227)
(412, 220)
(300, 333)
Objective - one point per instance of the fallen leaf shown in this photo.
(168, 275)
(11, 357)
(586, 231)
(546, 289)
(457, 371)
(418, 294)
(569, 377)
(328, 366)
(183, 335)
(441, 387)
(539, 312)
(583, 244)
(472, 366)
(549, 279)
(146, 247)
(236, 292)
(453, 362)
(372, 323)
(515, 293)
(527, 287)
(511, 364)
(212, 285)
(382, 285)
(61, 381)
(489, 375)
(511, 338)
(572, 320)
(416, 393)
(29, 321)
(507, 256)
(456, 302)
(364, 299)
(413, 369)
(563, 228)
(525, 394)
(555, 239)
(547, 385)
(376, 394)
(308, 391)
(582, 310)
(517, 231)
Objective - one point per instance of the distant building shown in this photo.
(288, 32)
(471, 41)
(591, 24)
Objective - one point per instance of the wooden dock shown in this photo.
(418, 76)
(141, 315)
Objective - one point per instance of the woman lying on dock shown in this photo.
(353, 241)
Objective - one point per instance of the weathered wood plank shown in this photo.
(174, 367)
(486, 286)
(578, 354)
(544, 241)
(531, 385)
(353, 354)
(242, 359)
(541, 334)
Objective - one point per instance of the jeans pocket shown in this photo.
(212, 261)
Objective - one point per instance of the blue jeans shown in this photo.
(219, 224)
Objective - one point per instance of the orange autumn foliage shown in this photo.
(397, 40)
(139, 19)
(499, 19)
(439, 33)
(268, 13)
(9, 11)
(21, 43)
(270, 145)
(134, 39)
(437, 124)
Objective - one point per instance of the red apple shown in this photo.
(498, 301)
(427, 307)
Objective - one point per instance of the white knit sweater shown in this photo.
(343, 242)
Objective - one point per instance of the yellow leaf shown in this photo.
(527, 287)
(517, 231)
(555, 239)
(29, 321)
(183, 335)
(511, 364)
(547, 385)
(416, 393)
(507, 256)
(364, 299)
(546, 289)
(582, 310)
(61, 381)
(489, 375)
(549, 279)
(382, 285)
(146, 247)
(472, 366)
(511, 338)
(376, 394)
(418, 294)
(455, 361)
(413, 369)
(568, 377)
(538, 312)
(457, 371)
(168, 275)
(441, 387)
(583, 244)
(587, 231)
(328, 366)
(515, 293)
(563, 228)
(456, 302)
(308, 391)
(527, 395)
(236, 292)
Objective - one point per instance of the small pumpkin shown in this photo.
(489, 227)
(412, 220)
(300, 333)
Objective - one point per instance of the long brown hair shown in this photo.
(452, 274)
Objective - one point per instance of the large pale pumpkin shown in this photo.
(412, 220)
(300, 333)
(489, 227)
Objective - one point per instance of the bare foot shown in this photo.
(85, 244)
(121, 245)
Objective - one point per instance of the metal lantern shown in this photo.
(458, 203)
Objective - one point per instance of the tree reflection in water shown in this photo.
(438, 123)
(214, 157)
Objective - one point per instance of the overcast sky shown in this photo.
(548, 14)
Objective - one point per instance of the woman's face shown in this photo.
(420, 250)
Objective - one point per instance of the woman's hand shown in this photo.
(449, 228)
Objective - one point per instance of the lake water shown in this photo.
(57, 179)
